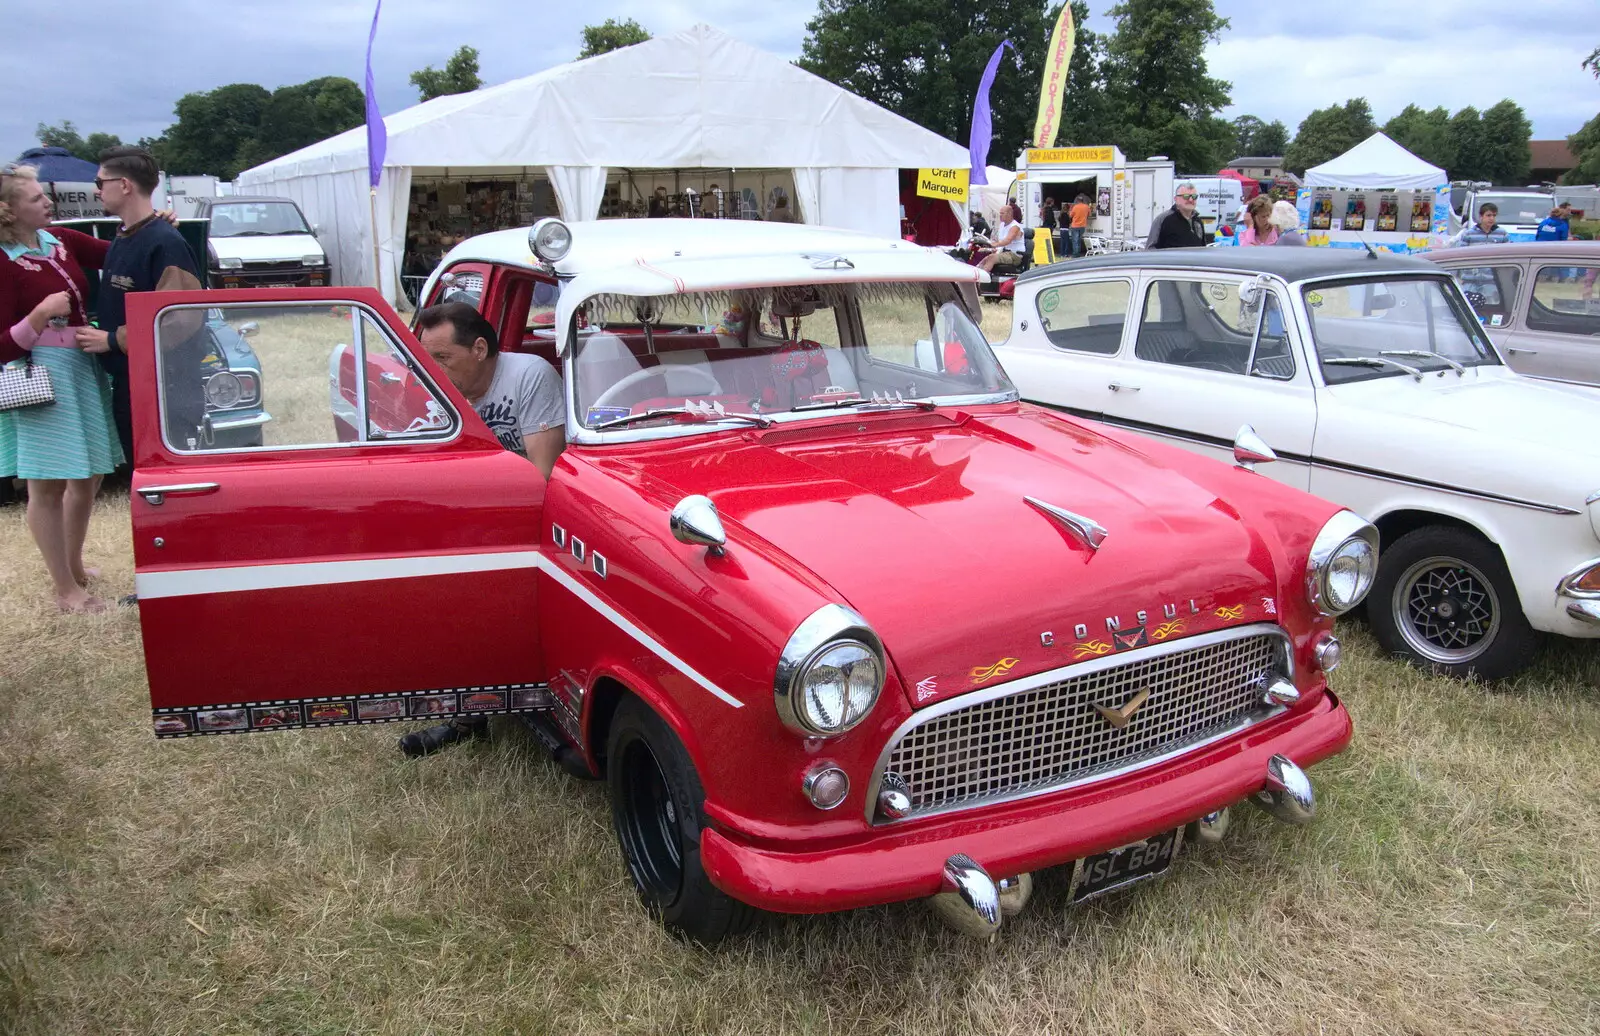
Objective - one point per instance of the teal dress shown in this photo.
(73, 437)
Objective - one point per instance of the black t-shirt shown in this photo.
(136, 262)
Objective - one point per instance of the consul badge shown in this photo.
(1119, 718)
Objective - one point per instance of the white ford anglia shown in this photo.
(1369, 382)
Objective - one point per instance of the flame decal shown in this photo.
(1167, 629)
(1090, 647)
(985, 673)
(1230, 613)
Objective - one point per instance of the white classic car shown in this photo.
(1374, 386)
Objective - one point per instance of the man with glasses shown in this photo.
(1179, 227)
(148, 255)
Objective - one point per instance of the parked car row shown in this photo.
(838, 617)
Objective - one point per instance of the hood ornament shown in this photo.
(1090, 532)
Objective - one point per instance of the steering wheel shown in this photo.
(707, 382)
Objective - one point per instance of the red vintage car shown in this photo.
(839, 620)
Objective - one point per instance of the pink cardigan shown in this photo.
(1249, 237)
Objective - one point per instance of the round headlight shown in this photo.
(550, 239)
(223, 390)
(830, 673)
(1343, 564)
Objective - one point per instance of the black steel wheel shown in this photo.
(657, 812)
(1444, 600)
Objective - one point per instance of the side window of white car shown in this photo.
(1564, 300)
(283, 376)
(1085, 316)
(1199, 324)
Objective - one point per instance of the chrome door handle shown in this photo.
(1117, 386)
(390, 378)
(1522, 352)
(154, 495)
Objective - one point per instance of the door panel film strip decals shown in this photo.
(441, 703)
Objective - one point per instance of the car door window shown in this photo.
(283, 376)
(1199, 324)
(1564, 300)
(1086, 316)
(1271, 355)
(1492, 290)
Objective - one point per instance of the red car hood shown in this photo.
(919, 522)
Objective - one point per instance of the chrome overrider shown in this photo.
(1288, 796)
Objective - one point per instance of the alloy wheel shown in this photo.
(1446, 610)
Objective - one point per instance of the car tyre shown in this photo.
(1444, 600)
(657, 811)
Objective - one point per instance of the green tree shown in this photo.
(611, 35)
(1466, 138)
(1585, 147)
(922, 59)
(459, 75)
(1327, 133)
(95, 143)
(1425, 134)
(1273, 139)
(1506, 156)
(67, 136)
(1159, 94)
(216, 132)
(1592, 63)
(300, 115)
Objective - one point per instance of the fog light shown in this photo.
(826, 786)
(1328, 652)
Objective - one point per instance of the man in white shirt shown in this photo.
(518, 395)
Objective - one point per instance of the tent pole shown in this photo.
(377, 251)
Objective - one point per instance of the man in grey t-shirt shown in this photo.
(518, 395)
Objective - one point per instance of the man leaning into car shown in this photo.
(519, 397)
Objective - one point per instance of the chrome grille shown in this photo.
(1043, 736)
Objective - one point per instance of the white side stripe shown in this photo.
(188, 582)
(185, 582)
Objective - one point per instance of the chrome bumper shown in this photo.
(1585, 611)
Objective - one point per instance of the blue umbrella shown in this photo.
(57, 165)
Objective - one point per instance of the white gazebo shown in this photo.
(1376, 163)
(698, 99)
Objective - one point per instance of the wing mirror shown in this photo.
(1249, 449)
(249, 329)
(695, 520)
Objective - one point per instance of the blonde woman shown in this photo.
(63, 449)
(1258, 226)
(1286, 220)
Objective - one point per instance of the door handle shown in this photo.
(1514, 351)
(154, 495)
(390, 378)
(1117, 386)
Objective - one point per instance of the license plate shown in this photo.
(1140, 861)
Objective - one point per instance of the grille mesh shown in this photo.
(1053, 735)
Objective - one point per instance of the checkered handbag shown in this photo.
(26, 386)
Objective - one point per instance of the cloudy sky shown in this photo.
(130, 62)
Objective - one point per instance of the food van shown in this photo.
(1125, 196)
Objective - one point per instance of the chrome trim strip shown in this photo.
(1069, 672)
(1591, 498)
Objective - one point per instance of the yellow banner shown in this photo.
(1068, 155)
(949, 184)
(1057, 63)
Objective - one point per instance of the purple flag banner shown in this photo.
(983, 119)
(377, 135)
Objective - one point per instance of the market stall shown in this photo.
(723, 127)
(1377, 194)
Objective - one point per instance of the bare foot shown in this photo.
(79, 603)
(86, 576)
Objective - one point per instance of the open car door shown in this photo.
(364, 552)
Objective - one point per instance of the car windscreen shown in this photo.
(1383, 327)
(1514, 208)
(256, 219)
(777, 353)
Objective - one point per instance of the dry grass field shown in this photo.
(317, 883)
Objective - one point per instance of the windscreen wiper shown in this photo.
(1424, 354)
(706, 414)
(1371, 361)
(876, 402)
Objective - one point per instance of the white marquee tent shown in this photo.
(698, 99)
(1376, 163)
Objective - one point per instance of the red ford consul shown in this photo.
(837, 618)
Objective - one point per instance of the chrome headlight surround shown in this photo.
(832, 636)
(550, 239)
(224, 390)
(1343, 563)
